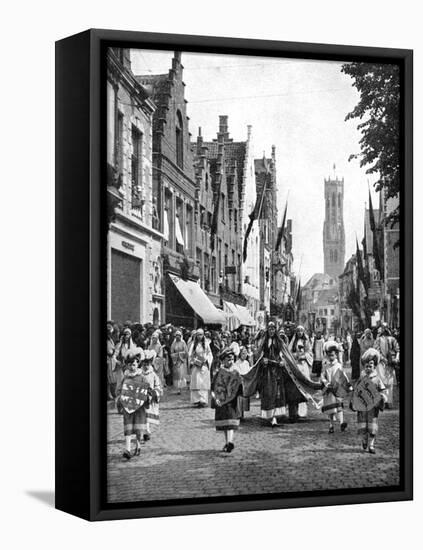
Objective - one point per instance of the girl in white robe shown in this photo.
(200, 359)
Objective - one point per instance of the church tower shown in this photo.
(333, 228)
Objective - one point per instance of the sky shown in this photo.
(300, 107)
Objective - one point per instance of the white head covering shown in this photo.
(370, 354)
(149, 354)
(331, 345)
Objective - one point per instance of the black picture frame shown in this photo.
(80, 276)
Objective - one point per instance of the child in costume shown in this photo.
(367, 420)
(226, 387)
(156, 391)
(242, 365)
(138, 390)
(333, 377)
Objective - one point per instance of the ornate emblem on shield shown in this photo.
(365, 395)
(133, 396)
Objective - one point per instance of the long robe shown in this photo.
(389, 351)
(280, 382)
(227, 388)
(355, 357)
(158, 362)
(200, 359)
(179, 354)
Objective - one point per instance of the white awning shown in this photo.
(199, 301)
(178, 232)
(232, 315)
(244, 316)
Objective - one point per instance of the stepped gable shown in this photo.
(234, 158)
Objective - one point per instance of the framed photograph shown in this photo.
(233, 275)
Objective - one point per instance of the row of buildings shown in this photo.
(193, 223)
(364, 290)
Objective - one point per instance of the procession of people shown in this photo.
(288, 369)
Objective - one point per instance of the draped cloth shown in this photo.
(280, 375)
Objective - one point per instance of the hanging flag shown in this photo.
(215, 218)
(281, 230)
(371, 214)
(254, 215)
(376, 253)
(366, 257)
(364, 243)
(361, 275)
(299, 295)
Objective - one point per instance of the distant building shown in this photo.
(319, 304)
(265, 171)
(175, 200)
(284, 284)
(226, 168)
(333, 228)
(219, 168)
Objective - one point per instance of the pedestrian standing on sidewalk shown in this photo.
(179, 355)
(367, 420)
(226, 389)
(334, 380)
(200, 359)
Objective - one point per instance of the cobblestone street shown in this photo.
(184, 458)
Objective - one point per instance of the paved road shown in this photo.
(183, 458)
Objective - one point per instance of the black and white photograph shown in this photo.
(253, 277)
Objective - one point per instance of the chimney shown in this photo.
(199, 140)
(223, 127)
(176, 63)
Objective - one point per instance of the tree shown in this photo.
(378, 109)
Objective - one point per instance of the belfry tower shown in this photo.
(333, 227)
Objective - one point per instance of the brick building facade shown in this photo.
(134, 246)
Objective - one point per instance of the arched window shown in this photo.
(328, 203)
(339, 200)
(333, 200)
(179, 140)
(207, 182)
(331, 255)
(335, 256)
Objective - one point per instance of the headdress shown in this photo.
(331, 345)
(226, 352)
(149, 354)
(370, 354)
